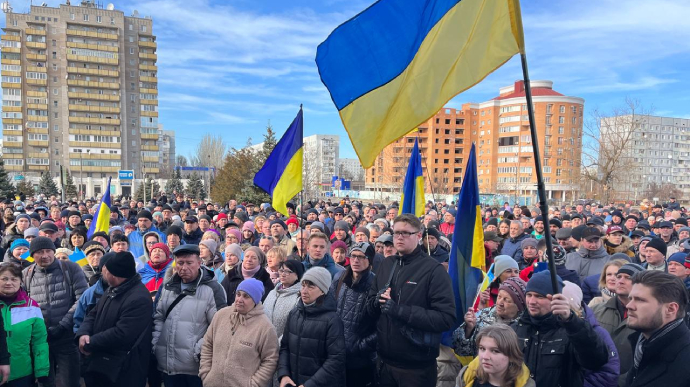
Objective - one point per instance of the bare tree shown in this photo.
(182, 161)
(662, 191)
(607, 150)
(310, 175)
(210, 152)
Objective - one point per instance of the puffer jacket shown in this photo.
(557, 352)
(312, 351)
(360, 331)
(626, 247)
(245, 354)
(56, 289)
(88, 301)
(177, 339)
(136, 241)
(606, 376)
(234, 277)
(11, 233)
(278, 304)
(26, 337)
(608, 317)
(586, 262)
(511, 246)
(23, 263)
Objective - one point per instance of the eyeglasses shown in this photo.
(285, 271)
(358, 257)
(404, 234)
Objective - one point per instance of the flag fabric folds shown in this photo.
(101, 219)
(395, 64)
(467, 261)
(281, 175)
(412, 200)
(27, 256)
(78, 257)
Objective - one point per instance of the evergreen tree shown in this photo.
(195, 187)
(145, 190)
(71, 191)
(6, 188)
(47, 185)
(25, 188)
(270, 142)
(174, 185)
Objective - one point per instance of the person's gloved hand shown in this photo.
(56, 332)
(390, 308)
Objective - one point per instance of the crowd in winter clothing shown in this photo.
(184, 293)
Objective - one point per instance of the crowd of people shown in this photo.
(185, 293)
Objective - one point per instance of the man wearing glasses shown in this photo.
(412, 298)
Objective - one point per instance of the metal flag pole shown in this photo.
(541, 188)
(301, 195)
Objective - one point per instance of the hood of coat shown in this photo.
(257, 310)
(596, 254)
(624, 247)
(146, 250)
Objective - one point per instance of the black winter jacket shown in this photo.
(121, 315)
(234, 277)
(193, 238)
(557, 351)
(664, 361)
(360, 331)
(312, 351)
(421, 287)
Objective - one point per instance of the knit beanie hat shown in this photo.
(292, 220)
(319, 277)
(92, 246)
(253, 287)
(338, 245)
(210, 244)
(657, 244)
(515, 287)
(122, 265)
(280, 222)
(248, 225)
(63, 250)
(503, 263)
(678, 258)
(172, 229)
(574, 295)
(234, 249)
(541, 283)
(296, 267)
(318, 225)
(31, 231)
(342, 225)
(364, 230)
(431, 231)
(41, 243)
(101, 234)
(630, 269)
(529, 242)
(235, 232)
(18, 243)
(104, 260)
(163, 247)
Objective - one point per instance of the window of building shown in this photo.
(54, 55)
(86, 17)
(562, 109)
(56, 128)
(130, 27)
(99, 19)
(71, 16)
(55, 90)
(561, 119)
(143, 28)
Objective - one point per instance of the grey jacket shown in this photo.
(587, 263)
(177, 340)
(56, 289)
(279, 303)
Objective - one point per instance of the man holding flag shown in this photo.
(412, 299)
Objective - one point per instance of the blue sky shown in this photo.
(228, 67)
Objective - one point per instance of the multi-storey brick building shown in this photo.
(500, 130)
(80, 90)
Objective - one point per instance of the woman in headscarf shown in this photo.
(153, 273)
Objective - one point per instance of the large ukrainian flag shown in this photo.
(467, 262)
(101, 219)
(395, 64)
(412, 199)
(281, 175)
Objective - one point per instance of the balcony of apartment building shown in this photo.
(148, 42)
(73, 69)
(14, 165)
(148, 54)
(87, 95)
(92, 56)
(74, 29)
(84, 107)
(76, 80)
(149, 134)
(93, 118)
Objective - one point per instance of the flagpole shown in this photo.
(301, 195)
(541, 188)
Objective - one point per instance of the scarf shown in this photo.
(236, 319)
(250, 273)
(607, 293)
(274, 274)
(661, 267)
(641, 342)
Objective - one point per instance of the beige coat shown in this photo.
(249, 357)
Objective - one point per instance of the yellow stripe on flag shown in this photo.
(290, 183)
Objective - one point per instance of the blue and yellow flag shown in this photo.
(467, 261)
(394, 65)
(412, 200)
(27, 256)
(281, 175)
(78, 257)
(101, 219)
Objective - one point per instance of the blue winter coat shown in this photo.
(512, 245)
(590, 288)
(136, 240)
(326, 262)
(87, 301)
(607, 375)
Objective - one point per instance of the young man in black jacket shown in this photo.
(557, 345)
(413, 299)
(661, 343)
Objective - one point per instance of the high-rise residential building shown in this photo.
(80, 90)
(350, 169)
(321, 153)
(505, 158)
(166, 149)
(658, 153)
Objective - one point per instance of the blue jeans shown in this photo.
(181, 380)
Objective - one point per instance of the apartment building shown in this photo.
(80, 90)
(505, 156)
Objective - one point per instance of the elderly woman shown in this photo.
(63, 254)
(150, 239)
(274, 257)
(312, 350)
(93, 251)
(233, 256)
(232, 235)
(504, 268)
(209, 254)
(281, 300)
(240, 347)
(153, 273)
(14, 253)
(251, 267)
(26, 331)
